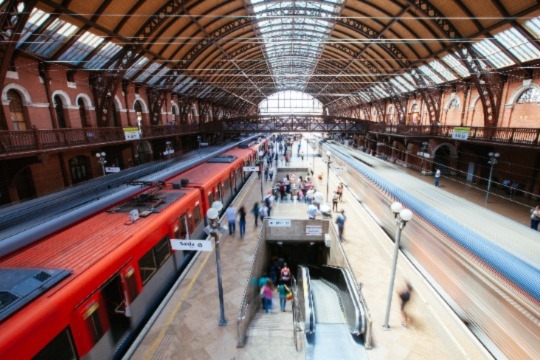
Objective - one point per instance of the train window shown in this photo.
(197, 215)
(225, 188)
(162, 250)
(210, 199)
(181, 230)
(218, 193)
(91, 316)
(60, 348)
(154, 258)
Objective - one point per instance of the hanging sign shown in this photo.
(195, 245)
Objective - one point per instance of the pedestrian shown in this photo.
(255, 212)
(340, 222)
(335, 200)
(312, 211)
(242, 221)
(266, 294)
(309, 195)
(285, 274)
(405, 296)
(231, 218)
(271, 172)
(283, 290)
(263, 212)
(437, 177)
(318, 199)
(340, 190)
(535, 217)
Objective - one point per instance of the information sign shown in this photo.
(251, 168)
(112, 169)
(313, 230)
(132, 133)
(279, 223)
(196, 245)
(461, 133)
(340, 168)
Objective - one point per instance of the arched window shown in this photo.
(16, 110)
(59, 108)
(82, 113)
(391, 114)
(79, 168)
(454, 104)
(138, 113)
(174, 115)
(115, 121)
(414, 108)
(529, 96)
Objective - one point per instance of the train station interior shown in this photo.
(190, 105)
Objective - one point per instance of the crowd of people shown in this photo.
(277, 279)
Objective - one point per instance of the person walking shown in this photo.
(340, 222)
(404, 296)
(335, 200)
(255, 211)
(266, 294)
(242, 221)
(285, 274)
(318, 199)
(437, 177)
(340, 191)
(263, 212)
(535, 217)
(271, 172)
(312, 211)
(231, 218)
(283, 290)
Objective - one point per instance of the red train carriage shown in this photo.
(100, 278)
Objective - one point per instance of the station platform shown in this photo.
(187, 326)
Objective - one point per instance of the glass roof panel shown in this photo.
(36, 18)
(493, 53)
(84, 45)
(533, 26)
(398, 87)
(518, 45)
(104, 55)
(159, 76)
(147, 72)
(429, 75)
(407, 81)
(455, 64)
(137, 65)
(52, 37)
(442, 70)
(294, 42)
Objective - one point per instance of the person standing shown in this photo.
(437, 177)
(271, 171)
(535, 218)
(340, 222)
(263, 212)
(283, 290)
(340, 191)
(242, 221)
(312, 211)
(255, 212)
(318, 199)
(405, 296)
(285, 274)
(335, 201)
(231, 218)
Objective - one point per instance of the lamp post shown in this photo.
(199, 142)
(213, 229)
(492, 162)
(261, 167)
(328, 162)
(425, 145)
(402, 216)
(168, 149)
(101, 159)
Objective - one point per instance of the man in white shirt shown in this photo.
(309, 195)
(231, 218)
(312, 211)
(318, 199)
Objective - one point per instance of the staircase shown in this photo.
(271, 336)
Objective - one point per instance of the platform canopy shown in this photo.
(342, 52)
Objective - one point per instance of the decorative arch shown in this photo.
(450, 102)
(27, 100)
(118, 104)
(86, 99)
(474, 101)
(64, 96)
(144, 107)
(517, 93)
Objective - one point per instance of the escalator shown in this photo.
(334, 318)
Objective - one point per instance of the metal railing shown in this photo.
(305, 299)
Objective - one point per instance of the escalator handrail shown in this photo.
(359, 324)
(309, 310)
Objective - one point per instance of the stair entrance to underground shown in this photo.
(326, 300)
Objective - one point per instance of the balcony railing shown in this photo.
(40, 140)
(514, 136)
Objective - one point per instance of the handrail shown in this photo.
(250, 296)
(350, 298)
(297, 315)
(306, 294)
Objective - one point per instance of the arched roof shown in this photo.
(342, 52)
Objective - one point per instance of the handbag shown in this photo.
(288, 296)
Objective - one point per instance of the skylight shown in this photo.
(84, 45)
(442, 70)
(455, 64)
(50, 39)
(290, 102)
(518, 45)
(429, 75)
(493, 54)
(294, 33)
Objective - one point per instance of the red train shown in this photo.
(83, 292)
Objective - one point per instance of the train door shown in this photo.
(117, 307)
(181, 231)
